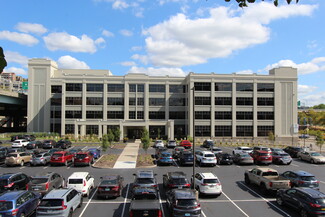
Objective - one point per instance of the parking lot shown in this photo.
(237, 199)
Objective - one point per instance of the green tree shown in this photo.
(320, 106)
(243, 3)
(271, 137)
(117, 133)
(104, 142)
(145, 140)
(110, 137)
(319, 140)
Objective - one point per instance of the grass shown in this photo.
(107, 161)
(144, 160)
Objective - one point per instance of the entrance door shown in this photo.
(135, 133)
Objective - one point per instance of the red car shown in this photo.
(262, 157)
(110, 186)
(83, 158)
(185, 144)
(61, 157)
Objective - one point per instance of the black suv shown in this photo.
(293, 150)
(208, 143)
(183, 202)
(145, 178)
(175, 180)
(308, 201)
(64, 144)
(301, 179)
(186, 158)
(3, 153)
(13, 181)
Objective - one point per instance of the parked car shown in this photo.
(110, 186)
(75, 150)
(224, 158)
(171, 144)
(13, 181)
(307, 201)
(96, 152)
(159, 143)
(205, 158)
(301, 178)
(215, 150)
(45, 182)
(19, 203)
(49, 144)
(53, 150)
(186, 158)
(165, 158)
(34, 144)
(183, 202)
(208, 184)
(176, 151)
(208, 143)
(262, 157)
(262, 148)
(175, 179)
(29, 137)
(185, 144)
(311, 156)
(159, 150)
(277, 150)
(40, 159)
(3, 153)
(304, 136)
(84, 158)
(242, 149)
(292, 150)
(145, 178)
(11, 150)
(281, 158)
(61, 157)
(15, 137)
(81, 181)
(63, 143)
(59, 202)
(243, 158)
(17, 158)
(19, 143)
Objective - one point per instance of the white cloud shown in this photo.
(31, 28)
(136, 48)
(305, 89)
(20, 38)
(18, 71)
(313, 99)
(15, 57)
(64, 41)
(120, 5)
(107, 33)
(142, 58)
(69, 62)
(245, 72)
(173, 72)
(128, 63)
(126, 32)
(100, 42)
(182, 41)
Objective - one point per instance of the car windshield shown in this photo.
(245, 155)
(75, 181)
(186, 202)
(39, 180)
(308, 178)
(179, 181)
(284, 154)
(165, 155)
(57, 155)
(297, 149)
(264, 154)
(145, 181)
(246, 149)
(51, 202)
(209, 155)
(12, 155)
(39, 155)
(187, 155)
(144, 196)
(315, 154)
(81, 156)
(5, 205)
(216, 149)
(109, 182)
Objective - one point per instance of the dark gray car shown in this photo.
(301, 179)
(45, 182)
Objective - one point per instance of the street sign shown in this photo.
(299, 103)
(24, 85)
(295, 128)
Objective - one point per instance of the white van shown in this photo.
(81, 181)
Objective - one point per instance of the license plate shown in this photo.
(56, 158)
(107, 189)
(187, 214)
(320, 209)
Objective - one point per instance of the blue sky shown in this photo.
(169, 37)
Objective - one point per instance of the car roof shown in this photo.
(208, 175)
(57, 193)
(11, 195)
(43, 174)
(6, 175)
(145, 174)
(184, 194)
(110, 177)
(176, 174)
(302, 173)
(262, 151)
(244, 147)
(78, 175)
(312, 192)
(82, 152)
(207, 152)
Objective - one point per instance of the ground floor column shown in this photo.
(76, 126)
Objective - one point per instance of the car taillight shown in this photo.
(204, 184)
(271, 184)
(115, 188)
(171, 185)
(131, 214)
(301, 182)
(159, 213)
(315, 205)
(155, 186)
(84, 182)
(42, 158)
(188, 185)
(63, 207)
(26, 186)
(14, 212)
(9, 185)
(47, 186)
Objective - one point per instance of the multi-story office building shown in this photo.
(84, 102)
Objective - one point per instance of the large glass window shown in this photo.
(265, 101)
(177, 101)
(244, 101)
(56, 101)
(156, 101)
(202, 100)
(132, 101)
(157, 131)
(177, 115)
(140, 115)
(95, 87)
(223, 101)
(92, 129)
(73, 114)
(242, 131)
(73, 87)
(244, 86)
(223, 115)
(202, 131)
(94, 101)
(264, 130)
(223, 131)
(265, 115)
(177, 88)
(115, 87)
(131, 114)
(140, 101)
(132, 88)
(158, 88)
(156, 115)
(265, 87)
(73, 100)
(203, 115)
(244, 115)
(115, 101)
(69, 129)
(56, 114)
(56, 89)
(223, 86)
(140, 88)
(94, 114)
(115, 114)
(202, 86)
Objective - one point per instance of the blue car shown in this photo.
(165, 158)
(95, 152)
(18, 203)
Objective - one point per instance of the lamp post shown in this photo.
(193, 89)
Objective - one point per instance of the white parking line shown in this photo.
(84, 148)
(295, 165)
(235, 204)
(88, 203)
(176, 163)
(45, 168)
(22, 168)
(322, 182)
(265, 199)
(162, 208)
(314, 165)
(126, 197)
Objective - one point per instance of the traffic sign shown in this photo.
(24, 85)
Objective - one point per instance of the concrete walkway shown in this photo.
(128, 158)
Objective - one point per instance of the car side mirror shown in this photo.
(101, 177)
(155, 174)
(134, 174)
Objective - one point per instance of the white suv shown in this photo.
(159, 143)
(207, 183)
(206, 158)
(19, 143)
(81, 181)
(242, 149)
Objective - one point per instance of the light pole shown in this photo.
(193, 89)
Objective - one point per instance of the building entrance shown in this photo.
(135, 133)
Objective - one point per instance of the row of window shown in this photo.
(227, 115)
(226, 131)
(246, 101)
(161, 88)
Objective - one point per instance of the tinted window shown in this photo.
(179, 181)
(145, 181)
(39, 180)
(57, 155)
(210, 181)
(75, 181)
(209, 155)
(186, 202)
(51, 202)
(308, 178)
(12, 155)
(145, 195)
(109, 182)
(81, 156)
(5, 205)
(3, 182)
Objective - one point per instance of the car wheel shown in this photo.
(22, 215)
(264, 189)
(312, 161)
(303, 213)
(299, 158)
(279, 201)
(70, 213)
(66, 163)
(89, 163)
(247, 181)
(22, 163)
(81, 201)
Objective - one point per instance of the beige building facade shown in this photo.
(82, 102)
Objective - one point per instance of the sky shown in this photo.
(169, 37)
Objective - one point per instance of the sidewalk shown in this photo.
(128, 158)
